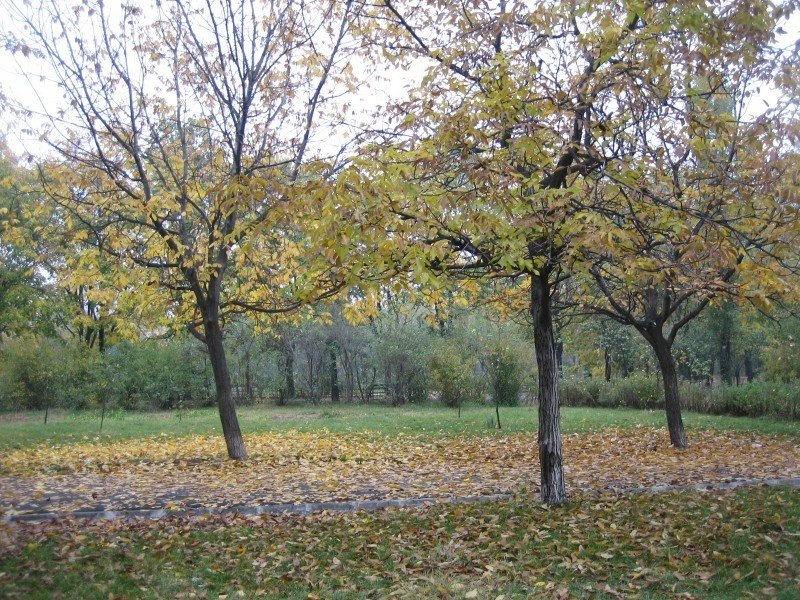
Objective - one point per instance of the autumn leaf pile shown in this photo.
(292, 467)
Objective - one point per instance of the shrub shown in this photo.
(156, 375)
(782, 356)
(453, 375)
(44, 373)
(504, 371)
(401, 358)
(632, 392)
(758, 399)
(697, 397)
(580, 392)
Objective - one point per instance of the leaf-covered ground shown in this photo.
(733, 544)
(292, 467)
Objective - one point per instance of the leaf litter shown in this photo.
(297, 467)
(687, 544)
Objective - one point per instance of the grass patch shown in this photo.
(720, 544)
(24, 429)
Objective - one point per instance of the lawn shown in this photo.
(710, 545)
(24, 429)
(606, 542)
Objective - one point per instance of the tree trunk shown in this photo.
(726, 362)
(553, 489)
(749, 372)
(248, 383)
(333, 371)
(103, 415)
(288, 372)
(672, 398)
(560, 357)
(311, 379)
(608, 364)
(222, 382)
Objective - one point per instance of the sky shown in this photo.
(26, 83)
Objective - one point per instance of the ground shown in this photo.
(615, 536)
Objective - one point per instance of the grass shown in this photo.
(712, 545)
(27, 428)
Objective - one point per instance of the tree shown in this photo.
(710, 211)
(503, 159)
(25, 299)
(182, 150)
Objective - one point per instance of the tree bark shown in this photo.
(333, 372)
(560, 356)
(222, 381)
(749, 372)
(288, 372)
(550, 459)
(726, 367)
(248, 383)
(672, 398)
(608, 364)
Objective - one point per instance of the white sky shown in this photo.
(25, 83)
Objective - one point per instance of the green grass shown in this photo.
(710, 545)
(24, 429)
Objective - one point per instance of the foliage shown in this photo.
(502, 350)
(632, 392)
(157, 375)
(454, 375)
(45, 373)
(587, 341)
(637, 392)
(504, 371)
(580, 391)
(401, 344)
(759, 398)
(755, 399)
(782, 354)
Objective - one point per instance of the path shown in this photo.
(308, 472)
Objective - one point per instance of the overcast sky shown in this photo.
(24, 82)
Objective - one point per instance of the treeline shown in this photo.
(397, 358)
(408, 354)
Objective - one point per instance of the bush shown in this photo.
(632, 392)
(758, 399)
(43, 373)
(504, 370)
(47, 373)
(156, 375)
(580, 392)
(697, 397)
(401, 358)
(782, 356)
(453, 375)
